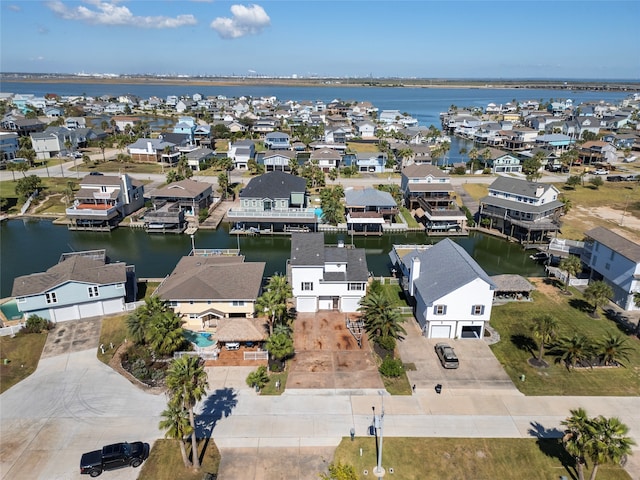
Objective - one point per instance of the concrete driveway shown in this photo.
(479, 371)
(73, 403)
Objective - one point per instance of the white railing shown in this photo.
(261, 355)
(129, 307)
(12, 330)
(291, 213)
(213, 355)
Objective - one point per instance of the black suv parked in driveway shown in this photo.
(114, 456)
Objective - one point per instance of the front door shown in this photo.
(336, 303)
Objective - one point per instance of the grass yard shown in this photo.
(514, 322)
(410, 219)
(113, 331)
(165, 461)
(112, 166)
(23, 354)
(363, 147)
(397, 385)
(460, 458)
(476, 190)
(270, 388)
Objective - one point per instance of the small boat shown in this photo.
(539, 257)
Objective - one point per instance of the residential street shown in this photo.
(73, 403)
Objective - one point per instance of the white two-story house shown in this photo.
(615, 260)
(326, 277)
(521, 209)
(452, 294)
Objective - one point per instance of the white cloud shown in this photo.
(109, 13)
(246, 20)
(14, 8)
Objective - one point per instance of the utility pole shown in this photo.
(378, 423)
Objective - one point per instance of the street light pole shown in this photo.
(378, 471)
(193, 245)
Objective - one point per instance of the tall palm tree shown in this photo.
(545, 330)
(613, 350)
(280, 346)
(102, 146)
(575, 439)
(165, 334)
(473, 156)
(138, 322)
(598, 294)
(268, 304)
(608, 442)
(380, 318)
(572, 266)
(187, 382)
(175, 420)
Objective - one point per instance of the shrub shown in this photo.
(36, 324)
(258, 378)
(470, 220)
(386, 343)
(391, 367)
(203, 214)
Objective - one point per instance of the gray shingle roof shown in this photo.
(618, 243)
(368, 197)
(183, 189)
(517, 186)
(444, 268)
(308, 249)
(76, 268)
(274, 185)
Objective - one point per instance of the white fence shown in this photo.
(10, 330)
(261, 355)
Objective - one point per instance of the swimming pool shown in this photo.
(201, 339)
(10, 310)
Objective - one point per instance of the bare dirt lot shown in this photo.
(328, 356)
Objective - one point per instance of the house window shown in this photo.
(477, 309)
(21, 300)
(173, 303)
(93, 291)
(355, 286)
(307, 286)
(120, 286)
(607, 266)
(612, 255)
(193, 316)
(51, 297)
(439, 309)
(238, 303)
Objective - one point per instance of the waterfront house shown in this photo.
(371, 162)
(369, 209)
(81, 285)
(427, 190)
(500, 161)
(22, 126)
(277, 201)
(451, 293)
(521, 209)
(276, 160)
(597, 151)
(277, 141)
(185, 126)
(174, 202)
(199, 157)
(153, 150)
(209, 286)
(366, 129)
(615, 260)
(53, 142)
(9, 146)
(326, 277)
(103, 201)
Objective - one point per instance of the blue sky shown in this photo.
(426, 39)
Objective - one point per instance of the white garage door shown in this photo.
(115, 305)
(93, 309)
(65, 313)
(306, 304)
(441, 331)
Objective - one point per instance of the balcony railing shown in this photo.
(255, 213)
(92, 211)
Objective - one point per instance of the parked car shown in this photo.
(632, 178)
(111, 457)
(601, 171)
(447, 356)
(615, 178)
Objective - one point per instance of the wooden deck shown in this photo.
(235, 358)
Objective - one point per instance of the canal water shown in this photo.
(30, 246)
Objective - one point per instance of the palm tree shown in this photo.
(187, 382)
(268, 304)
(575, 350)
(175, 420)
(598, 294)
(223, 184)
(613, 350)
(165, 334)
(607, 442)
(380, 318)
(473, 156)
(486, 156)
(572, 265)
(574, 438)
(138, 322)
(544, 329)
(280, 346)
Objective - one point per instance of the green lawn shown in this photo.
(113, 331)
(23, 354)
(514, 321)
(466, 458)
(165, 461)
(410, 219)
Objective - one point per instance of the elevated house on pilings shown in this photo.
(526, 211)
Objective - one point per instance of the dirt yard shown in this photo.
(328, 356)
(618, 221)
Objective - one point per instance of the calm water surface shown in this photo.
(30, 246)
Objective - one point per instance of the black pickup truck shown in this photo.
(114, 456)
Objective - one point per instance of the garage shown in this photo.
(115, 305)
(470, 331)
(306, 304)
(92, 309)
(440, 331)
(64, 314)
(325, 303)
